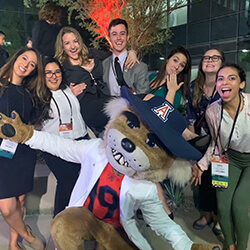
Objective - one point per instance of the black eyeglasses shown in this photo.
(50, 74)
(213, 58)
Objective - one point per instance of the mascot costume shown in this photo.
(118, 174)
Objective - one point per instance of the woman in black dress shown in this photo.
(22, 88)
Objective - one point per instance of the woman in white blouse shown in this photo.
(66, 121)
(229, 153)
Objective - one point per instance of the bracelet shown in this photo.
(199, 167)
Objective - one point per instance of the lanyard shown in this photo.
(231, 133)
(58, 110)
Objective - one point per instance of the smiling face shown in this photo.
(24, 66)
(176, 64)
(208, 65)
(53, 76)
(118, 37)
(229, 84)
(71, 46)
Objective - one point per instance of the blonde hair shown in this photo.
(51, 12)
(60, 54)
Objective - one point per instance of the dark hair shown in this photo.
(54, 60)
(34, 83)
(2, 33)
(200, 78)
(183, 76)
(51, 12)
(239, 69)
(116, 22)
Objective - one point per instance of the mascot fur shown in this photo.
(118, 174)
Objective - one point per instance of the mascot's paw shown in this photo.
(14, 129)
(206, 247)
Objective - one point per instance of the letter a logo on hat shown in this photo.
(163, 111)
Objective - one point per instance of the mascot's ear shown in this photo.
(115, 107)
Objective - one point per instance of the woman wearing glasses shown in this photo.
(201, 93)
(66, 121)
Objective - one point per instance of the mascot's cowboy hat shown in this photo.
(165, 121)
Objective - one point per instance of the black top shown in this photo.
(4, 55)
(16, 174)
(16, 98)
(77, 74)
(193, 113)
(44, 37)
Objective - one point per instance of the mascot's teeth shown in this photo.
(121, 161)
(119, 158)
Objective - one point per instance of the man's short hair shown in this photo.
(116, 22)
(2, 33)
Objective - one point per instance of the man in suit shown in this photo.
(115, 74)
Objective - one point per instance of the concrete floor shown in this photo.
(39, 207)
(41, 227)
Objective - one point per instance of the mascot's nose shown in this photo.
(128, 145)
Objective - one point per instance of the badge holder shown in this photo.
(65, 130)
(220, 171)
(8, 148)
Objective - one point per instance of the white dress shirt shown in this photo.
(114, 87)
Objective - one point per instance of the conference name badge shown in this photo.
(220, 171)
(65, 130)
(8, 148)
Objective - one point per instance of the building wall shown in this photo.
(211, 23)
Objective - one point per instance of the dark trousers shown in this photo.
(207, 194)
(66, 174)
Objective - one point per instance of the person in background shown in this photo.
(201, 93)
(172, 80)
(29, 42)
(45, 31)
(229, 121)
(22, 87)
(4, 55)
(115, 72)
(65, 121)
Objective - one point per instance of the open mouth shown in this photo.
(119, 158)
(225, 90)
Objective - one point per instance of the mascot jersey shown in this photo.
(103, 200)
